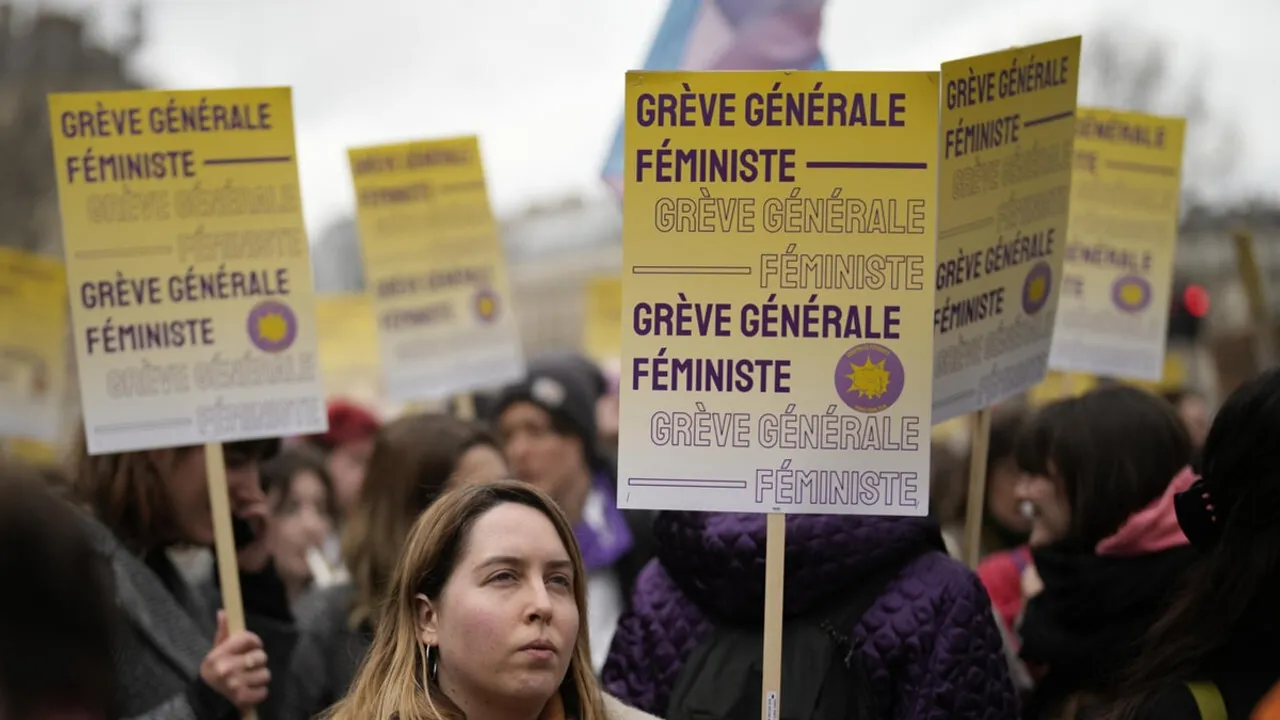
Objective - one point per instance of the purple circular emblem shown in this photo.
(1131, 293)
(486, 305)
(272, 326)
(869, 377)
(1036, 288)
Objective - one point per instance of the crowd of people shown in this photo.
(438, 567)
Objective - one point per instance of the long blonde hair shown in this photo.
(393, 681)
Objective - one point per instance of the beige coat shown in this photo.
(615, 710)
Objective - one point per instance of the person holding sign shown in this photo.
(928, 636)
(1216, 643)
(193, 313)
(175, 658)
(486, 617)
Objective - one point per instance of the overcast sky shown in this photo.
(541, 80)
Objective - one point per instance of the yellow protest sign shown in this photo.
(1060, 386)
(602, 325)
(435, 266)
(778, 256)
(32, 452)
(1008, 121)
(33, 358)
(187, 265)
(1118, 269)
(349, 346)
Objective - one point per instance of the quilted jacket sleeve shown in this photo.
(966, 673)
(628, 674)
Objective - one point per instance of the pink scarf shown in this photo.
(1153, 528)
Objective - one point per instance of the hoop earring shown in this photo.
(429, 666)
(433, 662)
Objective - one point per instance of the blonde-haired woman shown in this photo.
(485, 618)
(415, 459)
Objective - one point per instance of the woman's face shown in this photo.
(346, 464)
(541, 456)
(1046, 497)
(188, 486)
(1002, 496)
(506, 622)
(478, 465)
(300, 521)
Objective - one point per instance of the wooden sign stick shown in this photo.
(775, 554)
(977, 500)
(225, 542)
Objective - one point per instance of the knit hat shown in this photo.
(560, 385)
(590, 374)
(348, 422)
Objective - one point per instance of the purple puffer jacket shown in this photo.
(931, 644)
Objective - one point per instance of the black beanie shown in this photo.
(560, 386)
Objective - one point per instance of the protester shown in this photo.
(415, 458)
(175, 657)
(927, 641)
(1101, 472)
(347, 445)
(484, 618)
(57, 613)
(300, 495)
(547, 423)
(1194, 411)
(1006, 526)
(948, 504)
(1003, 525)
(1222, 627)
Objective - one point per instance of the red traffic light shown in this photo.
(1196, 300)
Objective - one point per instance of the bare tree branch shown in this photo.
(46, 52)
(1124, 70)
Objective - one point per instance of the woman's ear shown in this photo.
(427, 619)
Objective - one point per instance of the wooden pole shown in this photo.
(465, 407)
(977, 501)
(225, 542)
(774, 574)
